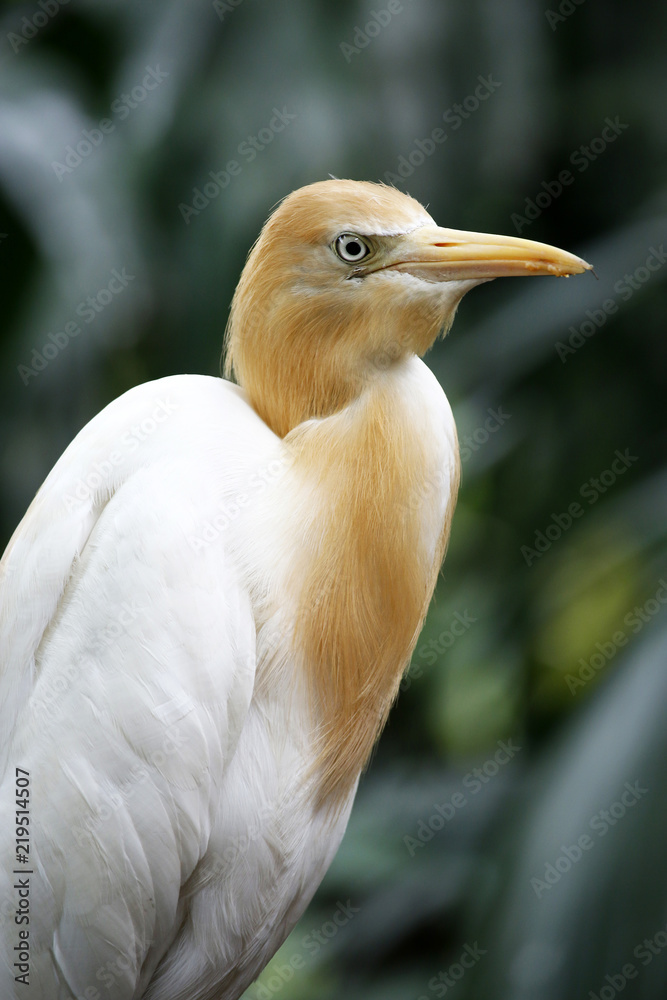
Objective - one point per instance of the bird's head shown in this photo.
(345, 280)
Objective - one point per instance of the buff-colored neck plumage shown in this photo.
(302, 349)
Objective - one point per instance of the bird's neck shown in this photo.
(371, 556)
(300, 356)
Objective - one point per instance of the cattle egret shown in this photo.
(205, 613)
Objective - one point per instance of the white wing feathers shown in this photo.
(127, 655)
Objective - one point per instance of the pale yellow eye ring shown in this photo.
(351, 248)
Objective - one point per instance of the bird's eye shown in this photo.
(351, 248)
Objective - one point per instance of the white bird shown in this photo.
(206, 611)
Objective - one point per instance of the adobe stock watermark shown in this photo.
(565, 9)
(474, 781)
(236, 847)
(248, 149)
(51, 688)
(634, 620)
(172, 742)
(580, 158)
(431, 650)
(88, 310)
(453, 117)
(277, 976)
(224, 7)
(644, 952)
(121, 108)
(471, 443)
(117, 800)
(31, 26)
(600, 824)
(591, 491)
(363, 36)
(440, 984)
(624, 288)
(128, 443)
(228, 510)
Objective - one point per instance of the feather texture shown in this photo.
(178, 827)
(206, 611)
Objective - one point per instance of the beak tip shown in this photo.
(566, 268)
(584, 266)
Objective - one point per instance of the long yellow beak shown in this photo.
(437, 254)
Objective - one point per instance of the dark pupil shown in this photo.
(353, 248)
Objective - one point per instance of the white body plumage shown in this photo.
(148, 689)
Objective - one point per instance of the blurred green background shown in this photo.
(542, 873)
